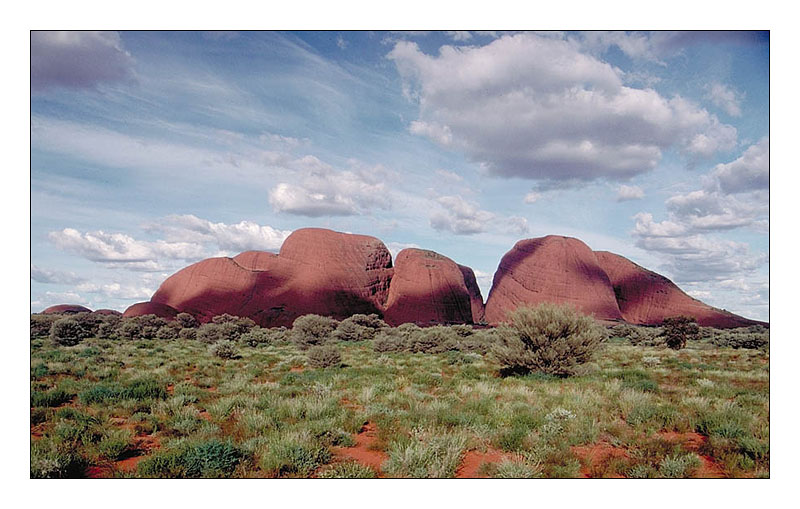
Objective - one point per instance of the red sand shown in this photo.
(473, 460)
(596, 454)
(362, 451)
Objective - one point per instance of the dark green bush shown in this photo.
(754, 337)
(548, 339)
(187, 334)
(214, 332)
(129, 329)
(349, 330)
(312, 330)
(41, 324)
(186, 321)
(480, 341)
(67, 332)
(677, 330)
(294, 458)
(50, 460)
(324, 356)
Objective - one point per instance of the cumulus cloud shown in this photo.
(625, 193)
(325, 191)
(241, 236)
(461, 217)
(54, 277)
(118, 250)
(536, 107)
(733, 196)
(726, 98)
(117, 291)
(78, 59)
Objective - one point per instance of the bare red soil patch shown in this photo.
(297, 369)
(363, 452)
(594, 455)
(473, 460)
(350, 404)
(692, 441)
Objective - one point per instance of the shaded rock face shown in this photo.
(646, 298)
(151, 308)
(429, 288)
(66, 309)
(551, 269)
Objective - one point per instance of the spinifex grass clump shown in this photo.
(549, 339)
(192, 458)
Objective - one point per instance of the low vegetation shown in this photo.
(551, 394)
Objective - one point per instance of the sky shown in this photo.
(153, 150)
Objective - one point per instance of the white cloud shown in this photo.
(749, 172)
(120, 250)
(536, 107)
(459, 35)
(324, 191)
(117, 291)
(459, 216)
(341, 42)
(242, 236)
(532, 197)
(396, 247)
(56, 277)
(726, 98)
(625, 193)
(77, 59)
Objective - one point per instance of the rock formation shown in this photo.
(645, 297)
(337, 274)
(66, 309)
(551, 269)
(430, 288)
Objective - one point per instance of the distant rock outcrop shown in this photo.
(66, 309)
(551, 269)
(151, 308)
(646, 298)
(108, 312)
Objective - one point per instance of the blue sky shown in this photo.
(152, 150)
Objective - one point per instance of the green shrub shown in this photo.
(388, 340)
(129, 329)
(548, 339)
(108, 329)
(167, 332)
(149, 325)
(294, 458)
(50, 460)
(755, 337)
(193, 459)
(437, 457)
(638, 335)
(677, 330)
(187, 334)
(138, 389)
(41, 324)
(186, 321)
(324, 356)
(348, 470)
(370, 321)
(67, 332)
(234, 326)
(436, 339)
(676, 467)
(348, 330)
(224, 349)
(312, 330)
(257, 336)
(213, 332)
(115, 444)
(51, 398)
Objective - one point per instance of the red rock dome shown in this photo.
(555, 269)
(151, 308)
(430, 288)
